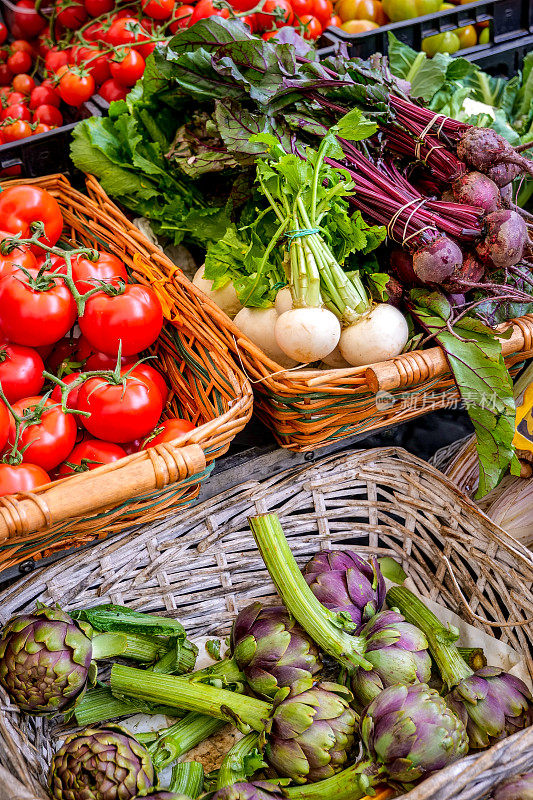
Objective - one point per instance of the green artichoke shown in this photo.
(518, 788)
(310, 735)
(273, 651)
(45, 660)
(412, 732)
(258, 790)
(100, 764)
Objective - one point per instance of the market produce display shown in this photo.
(305, 735)
(76, 389)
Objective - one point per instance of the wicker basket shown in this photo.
(206, 389)
(206, 568)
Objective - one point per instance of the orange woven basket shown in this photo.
(206, 388)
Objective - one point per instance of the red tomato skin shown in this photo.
(15, 98)
(134, 317)
(48, 443)
(88, 273)
(144, 370)
(158, 9)
(17, 111)
(19, 62)
(3, 33)
(120, 414)
(129, 69)
(21, 371)
(125, 30)
(44, 96)
(311, 26)
(73, 15)
(22, 205)
(23, 84)
(205, 9)
(76, 89)
(21, 478)
(20, 257)
(72, 397)
(5, 75)
(322, 10)
(13, 132)
(5, 422)
(102, 361)
(33, 317)
(48, 115)
(55, 59)
(301, 7)
(27, 20)
(95, 452)
(63, 352)
(96, 8)
(172, 429)
(181, 18)
(267, 20)
(111, 90)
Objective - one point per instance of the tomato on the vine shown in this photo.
(19, 257)
(19, 62)
(181, 18)
(127, 68)
(72, 397)
(87, 274)
(133, 317)
(168, 430)
(42, 128)
(270, 34)
(205, 9)
(125, 30)
(251, 21)
(335, 21)
(48, 115)
(90, 454)
(23, 84)
(144, 370)
(62, 356)
(71, 14)
(103, 361)
(16, 111)
(158, 9)
(311, 27)
(322, 10)
(46, 443)
(110, 91)
(76, 86)
(21, 478)
(301, 7)
(95, 8)
(120, 412)
(276, 13)
(3, 33)
(243, 5)
(55, 59)
(21, 44)
(44, 96)
(14, 131)
(96, 61)
(21, 371)
(22, 205)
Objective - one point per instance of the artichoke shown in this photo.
(346, 583)
(311, 734)
(273, 651)
(259, 790)
(45, 660)
(412, 732)
(517, 788)
(492, 704)
(398, 654)
(162, 794)
(100, 764)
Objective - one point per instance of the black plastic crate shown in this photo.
(508, 20)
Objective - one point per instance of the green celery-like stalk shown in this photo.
(321, 624)
(440, 639)
(244, 712)
(474, 657)
(128, 645)
(173, 742)
(109, 618)
(187, 778)
(236, 765)
(353, 783)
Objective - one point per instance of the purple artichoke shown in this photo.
(346, 583)
(492, 704)
(397, 652)
(259, 790)
(162, 795)
(412, 732)
(273, 651)
(45, 660)
(100, 764)
(517, 788)
(311, 734)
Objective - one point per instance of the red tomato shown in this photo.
(276, 13)
(120, 412)
(134, 318)
(181, 18)
(41, 128)
(3, 33)
(76, 86)
(19, 257)
(95, 8)
(250, 20)
(71, 14)
(62, 356)
(17, 111)
(21, 478)
(48, 115)
(127, 68)
(13, 98)
(21, 371)
(48, 442)
(158, 9)
(5, 421)
(205, 9)
(270, 35)
(132, 447)
(243, 5)
(102, 361)
(14, 131)
(44, 96)
(72, 397)
(23, 84)
(126, 30)
(5, 75)
(34, 317)
(95, 32)
(21, 44)
(96, 61)
(111, 90)
(90, 454)
(168, 430)
(335, 21)
(301, 7)
(27, 20)
(22, 205)
(310, 27)
(56, 58)
(87, 274)
(43, 43)
(322, 10)
(19, 62)
(144, 370)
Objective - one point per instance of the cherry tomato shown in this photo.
(35, 316)
(55, 59)
(275, 13)
(134, 318)
(90, 454)
(5, 75)
(42, 128)
(87, 274)
(322, 10)
(301, 7)
(17, 111)
(127, 68)
(22, 205)
(447, 42)
(48, 442)
(250, 20)
(96, 61)
(96, 32)
(44, 96)
(335, 21)
(14, 131)
(16, 97)
(125, 30)
(71, 14)
(48, 115)
(311, 27)
(27, 20)
(19, 62)
(72, 397)
(243, 5)
(19, 257)
(467, 36)
(23, 84)
(21, 478)
(76, 86)
(111, 90)
(3, 33)
(270, 35)
(205, 9)
(371, 10)
(43, 43)
(168, 430)
(95, 8)
(132, 447)
(147, 49)
(21, 371)
(21, 44)
(158, 9)
(144, 370)
(120, 412)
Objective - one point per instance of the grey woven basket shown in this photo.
(204, 567)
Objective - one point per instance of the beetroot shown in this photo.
(470, 272)
(476, 189)
(505, 239)
(394, 291)
(402, 265)
(504, 174)
(483, 149)
(438, 260)
(506, 193)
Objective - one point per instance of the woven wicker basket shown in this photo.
(206, 568)
(206, 389)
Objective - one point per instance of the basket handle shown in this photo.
(89, 492)
(422, 365)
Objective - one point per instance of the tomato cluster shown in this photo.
(76, 393)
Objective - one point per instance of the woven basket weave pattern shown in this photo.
(206, 568)
(206, 389)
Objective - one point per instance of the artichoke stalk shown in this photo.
(325, 627)
(346, 583)
(517, 788)
(306, 737)
(273, 651)
(100, 764)
(258, 790)
(162, 794)
(187, 779)
(241, 761)
(492, 703)
(173, 742)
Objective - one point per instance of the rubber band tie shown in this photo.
(291, 235)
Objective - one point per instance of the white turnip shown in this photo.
(437, 260)
(307, 334)
(283, 300)
(505, 239)
(335, 360)
(258, 324)
(377, 336)
(225, 298)
(476, 189)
